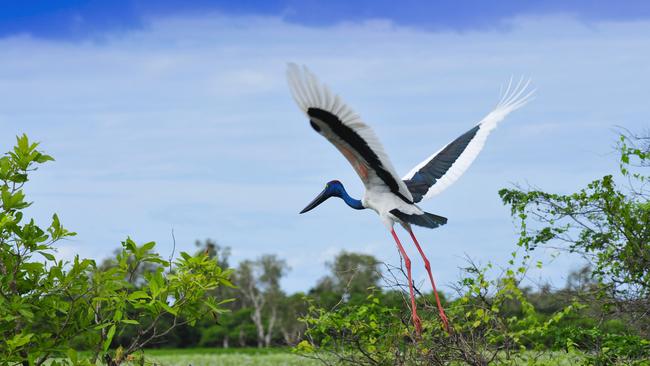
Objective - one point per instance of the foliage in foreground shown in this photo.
(608, 223)
(46, 305)
(493, 321)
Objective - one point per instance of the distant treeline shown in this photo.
(263, 315)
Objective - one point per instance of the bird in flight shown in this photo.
(394, 199)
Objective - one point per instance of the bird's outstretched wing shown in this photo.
(338, 123)
(443, 168)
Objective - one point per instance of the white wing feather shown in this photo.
(308, 92)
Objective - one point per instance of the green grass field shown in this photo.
(226, 357)
(282, 356)
(234, 359)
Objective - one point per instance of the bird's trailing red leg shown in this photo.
(427, 265)
(407, 262)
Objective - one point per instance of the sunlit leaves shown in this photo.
(25, 154)
(57, 231)
(370, 328)
(46, 303)
(605, 222)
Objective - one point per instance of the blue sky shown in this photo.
(163, 115)
(74, 19)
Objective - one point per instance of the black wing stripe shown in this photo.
(353, 139)
(429, 220)
(427, 176)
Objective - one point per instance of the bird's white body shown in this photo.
(383, 201)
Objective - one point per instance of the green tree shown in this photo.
(259, 284)
(222, 333)
(351, 276)
(607, 222)
(47, 304)
(40, 302)
(291, 328)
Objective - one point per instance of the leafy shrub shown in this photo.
(46, 303)
(607, 222)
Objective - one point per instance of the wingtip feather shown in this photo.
(516, 97)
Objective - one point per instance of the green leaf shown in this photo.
(167, 308)
(102, 326)
(13, 201)
(72, 355)
(42, 158)
(19, 340)
(117, 315)
(137, 295)
(47, 255)
(148, 246)
(109, 337)
(226, 301)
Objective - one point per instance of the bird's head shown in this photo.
(333, 188)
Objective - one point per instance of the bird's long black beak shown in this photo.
(317, 201)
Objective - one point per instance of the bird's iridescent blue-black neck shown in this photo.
(334, 189)
(352, 202)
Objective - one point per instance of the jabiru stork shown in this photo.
(394, 199)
